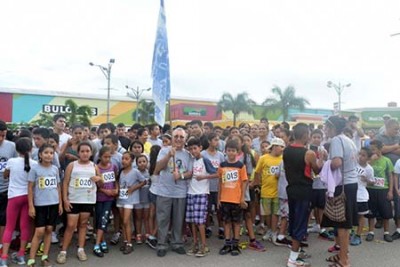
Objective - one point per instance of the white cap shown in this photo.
(276, 142)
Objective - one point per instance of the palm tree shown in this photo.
(145, 111)
(284, 100)
(78, 114)
(45, 120)
(240, 103)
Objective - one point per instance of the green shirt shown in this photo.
(383, 167)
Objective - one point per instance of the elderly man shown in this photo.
(174, 164)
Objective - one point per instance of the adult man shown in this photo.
(174, 164)
(263, 135)
(386, 118)
(132, 133)
(391, 140)
(7, 151)
(59, 122)
(358, 132)
(196, 130)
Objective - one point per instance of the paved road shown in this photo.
(377, 253)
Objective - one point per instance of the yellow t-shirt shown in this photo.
(268, 166)
(147, 148)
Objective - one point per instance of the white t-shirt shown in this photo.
(363, 173)
(18, 185)
(64, 137)
(197, 187)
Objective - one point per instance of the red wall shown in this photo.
(6, 101)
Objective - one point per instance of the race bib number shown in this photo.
(379, 182)
(47, 182)
(231, 176)
(108, 177)
(83, 182)
(123, 193)
(274, 170)
(3, 166)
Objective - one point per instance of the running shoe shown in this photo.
(257, 246)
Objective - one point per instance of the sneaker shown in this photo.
(128, 249)
(161, 252)
(104, 247)
(221, 234)
(82, 255)
(20, 260)
(395, 235)
(257, 246)
(303, 255)
(283, 242)
(235, 251)
(3, 263)
(28, 249)
(97, 251)
(45, 262)
(297, 263)
(314, 229)
(355, 240)
(326, 235)
(208, 233)
(30, 263)
(122, 248)
(267, 236)
(115, 238)
(261, 230)
(61, 258)
(370, 237)
(179, 250)
(202, 252)
(54, 239)
(139, 240)
(225, 249)
(152, 242)
(192, 250)
(334, 248)
(39, 252)
(387, 238)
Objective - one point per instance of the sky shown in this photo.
(215, 46)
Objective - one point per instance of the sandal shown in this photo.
(334, 258)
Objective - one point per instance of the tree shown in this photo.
(284, 100)
(240, 103)
(45, 120)
(78, 114)
(145, 111)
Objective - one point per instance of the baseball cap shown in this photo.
(3, 126)
(276, 142)
(387, 116)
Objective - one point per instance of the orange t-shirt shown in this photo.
(231, 175)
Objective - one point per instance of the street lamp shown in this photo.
(339, 89)
(107, 74)
(136, 94)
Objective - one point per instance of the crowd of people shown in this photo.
(174, 185)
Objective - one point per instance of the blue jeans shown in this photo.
(103, 211)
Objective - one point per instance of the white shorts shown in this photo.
(125, 206)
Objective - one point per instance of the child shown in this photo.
(264, 147)
(137, 149)
(154, 134)
(53, 140)
(41, 137)
(197, 198)
(45, 203)
(166, 140)
(130, 181)
(69, 150)
(142, 209)
(381, 192)
(365, 176)
(232, 188)
(266, 170)
(106, 194)
(111, 141)
(152, 239)
(79, 196)
(16, 171)
(142, 136)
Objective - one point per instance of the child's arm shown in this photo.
(32, 211)
(396, 183)
(136, 187)
(60, 205)
(67, 178)
(390, 193)
(162, 164)
(244, 180)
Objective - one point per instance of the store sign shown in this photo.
(62, 109)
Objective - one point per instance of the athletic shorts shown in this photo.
(362, 208)
(212, 200)
(269, 206)
(46, 215)
(378, 204)
(299, 211)
(318, 198)
(152, 198)
(125, 206)
(81, 208)
(196, 208)
(231, 212)
(3, 208)
(283, 208)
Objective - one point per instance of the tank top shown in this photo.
(81, 189)
(298, 174)
(109, 178)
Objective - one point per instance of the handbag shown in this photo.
(335, 207)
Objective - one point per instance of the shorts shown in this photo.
(362, 208)
(46, 215)
(125, 206)
(318, 198)
(81, 208)
(212, 200)
(103, 212)
(231, 212)
(152, 198)
(141, 206)
(350, 191)
(283, 208)
(196, 208)
(378, 204)
(3, 208)
(299, 211)
(269, 206)
(252, 194)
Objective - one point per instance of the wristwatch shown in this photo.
(182, 177)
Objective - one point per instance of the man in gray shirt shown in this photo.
(175, 166)
(391, 140)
